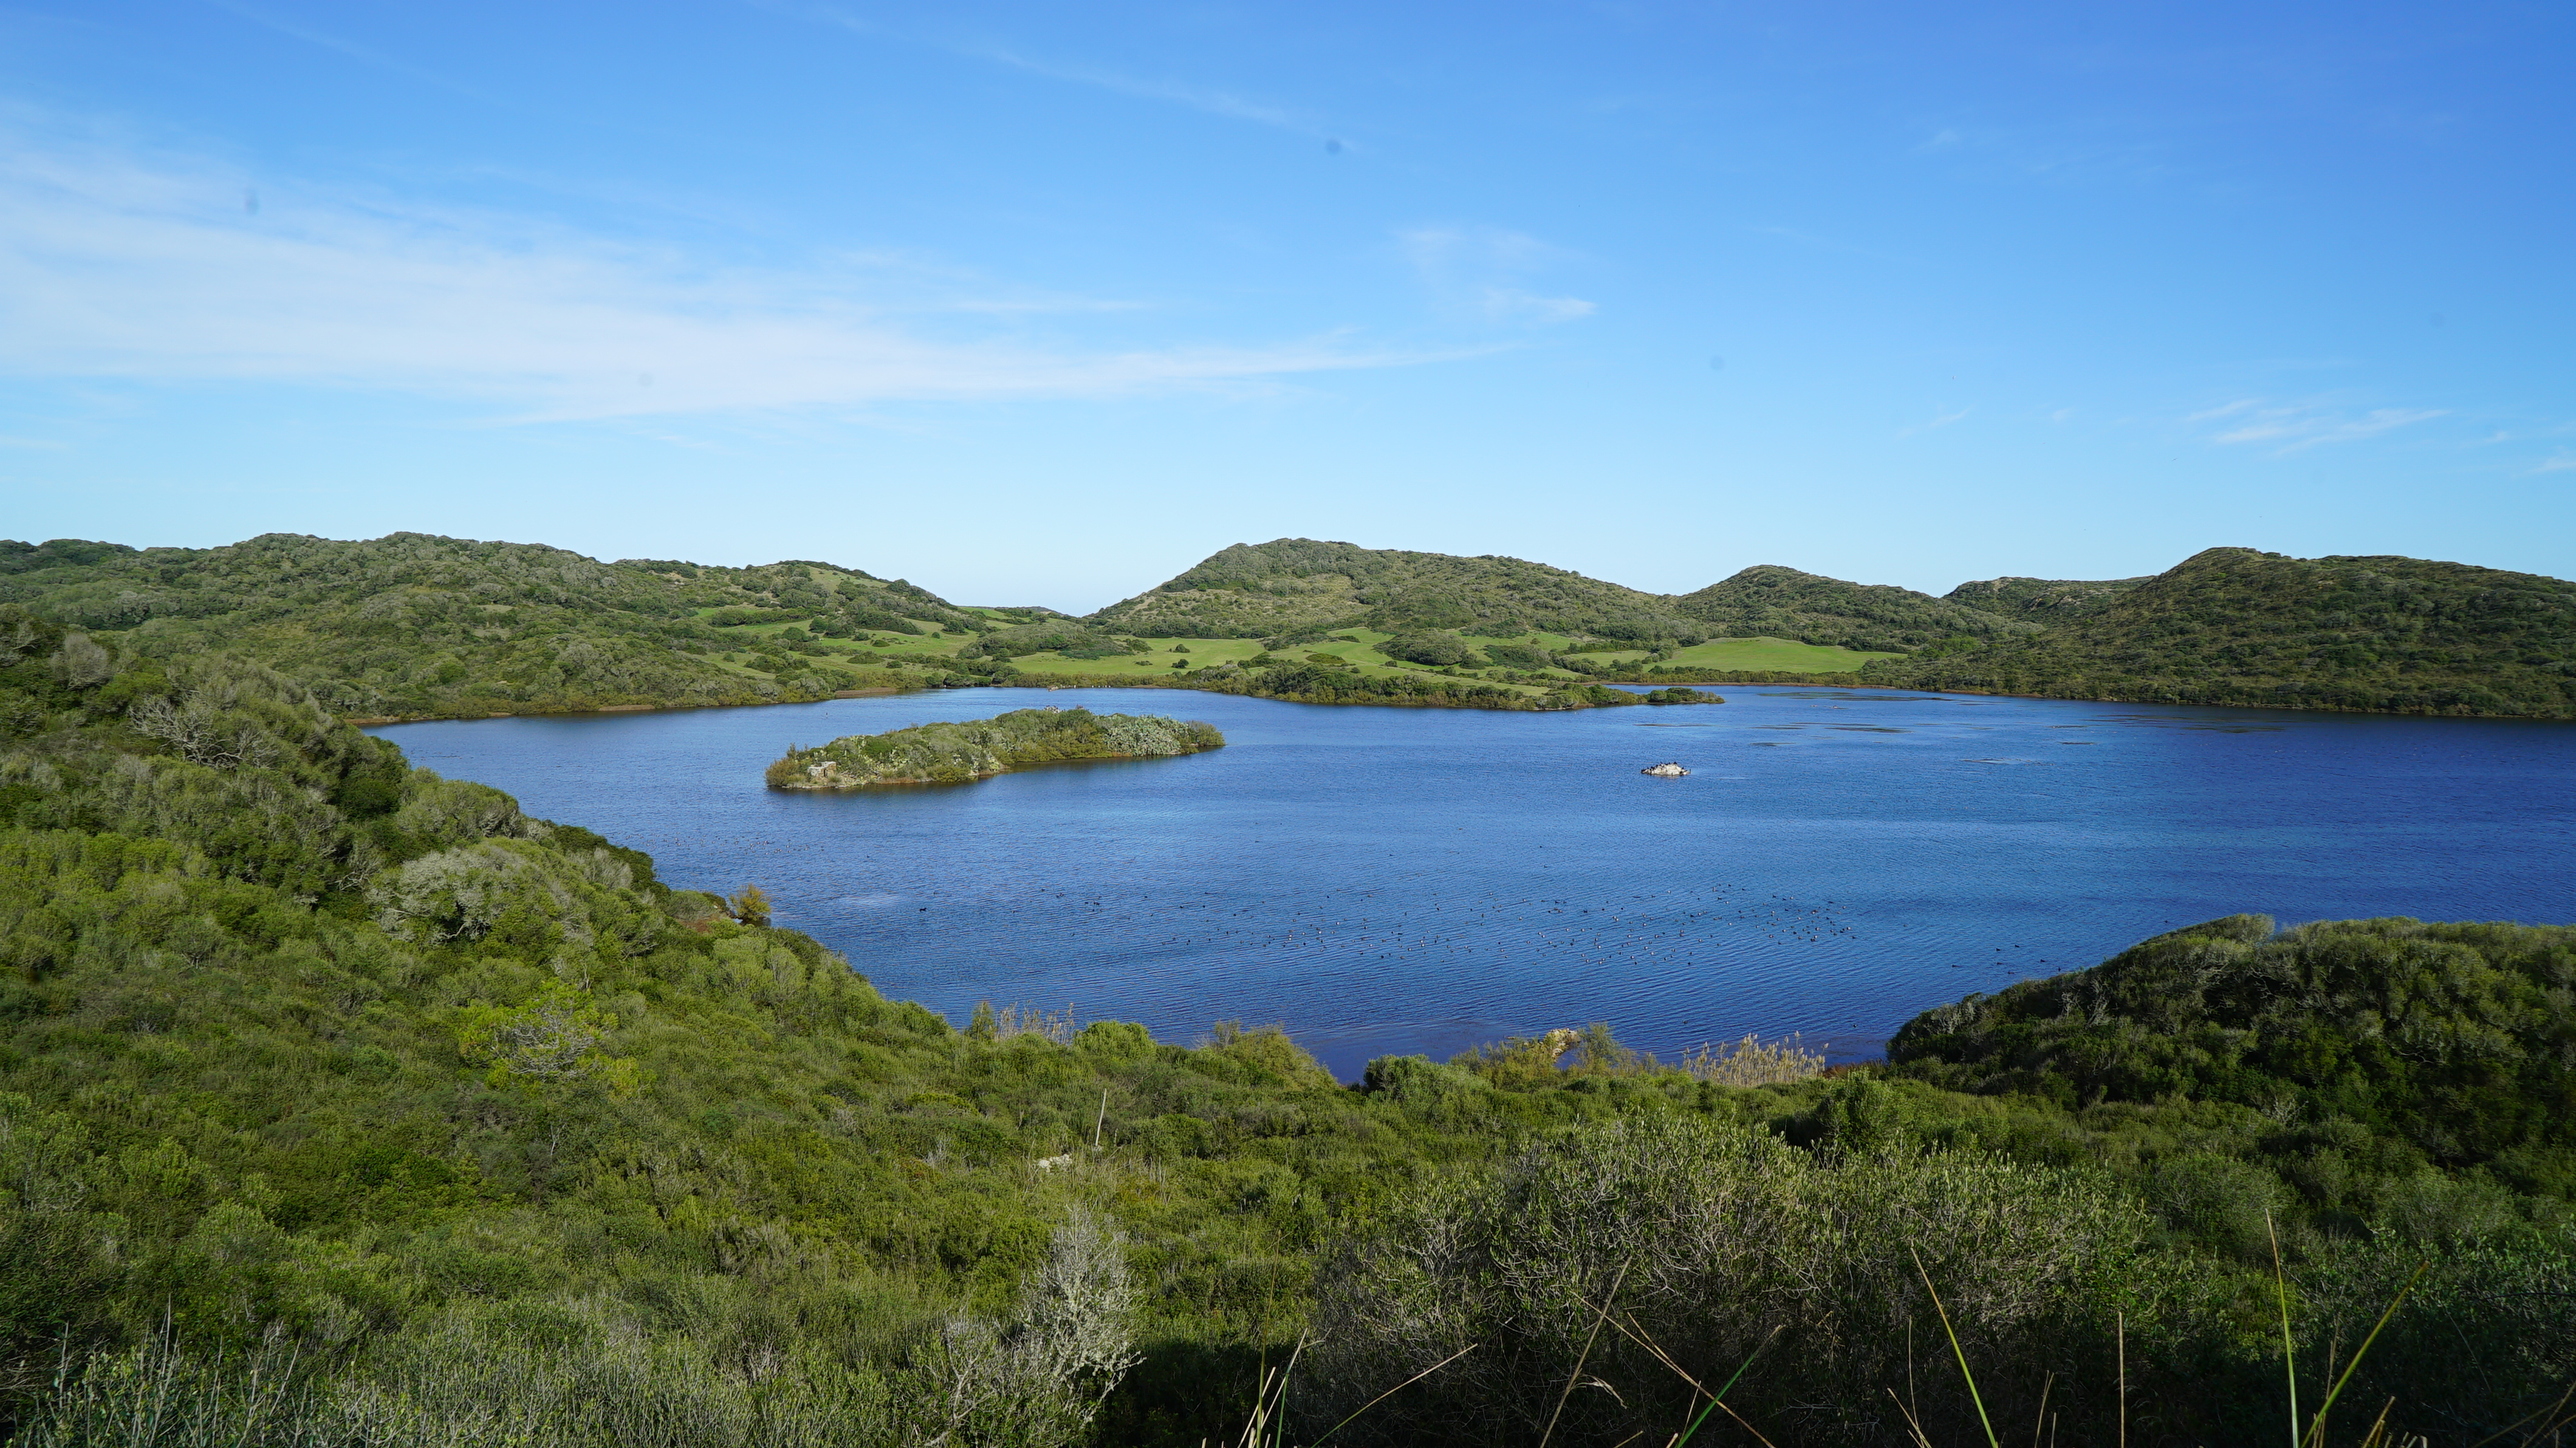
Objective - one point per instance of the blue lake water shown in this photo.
(1396, 880)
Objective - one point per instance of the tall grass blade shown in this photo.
(1912, 1425)
(2378, 1433)
(1391, 1392)
(2547, 1417)
(2289, 1358)
(1279, 1404)
(1585, 1356)
(1962, 1354)
(2317, 1429)
(1720, 1396)
(2120, 1327)
(1749, 1428)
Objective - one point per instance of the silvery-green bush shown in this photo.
(1699, 1239)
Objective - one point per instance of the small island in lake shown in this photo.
(981, 748)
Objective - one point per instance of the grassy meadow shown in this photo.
(1177, 660)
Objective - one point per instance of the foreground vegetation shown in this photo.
(981, 748)
(344, 1104)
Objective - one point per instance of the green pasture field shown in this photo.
(1353, 647)
(1785, 655)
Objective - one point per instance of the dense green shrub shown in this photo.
(1704, 1238)
(2458, 1038)
(1438, 650)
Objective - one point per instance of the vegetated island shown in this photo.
(955, 753)
(342, 1104)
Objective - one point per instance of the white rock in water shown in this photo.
(1668, 771)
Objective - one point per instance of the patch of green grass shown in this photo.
(1781, 654)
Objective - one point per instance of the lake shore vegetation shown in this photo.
(341, 1103)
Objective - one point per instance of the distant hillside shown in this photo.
(411, 624)
(2047, 602)
(2233, 626)
(1293, 586)
(1768, 601)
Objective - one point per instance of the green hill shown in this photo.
(1767, 601)
(2234, 626)
(1295, 587)
(2458, 1038)
(2043, 601)
(417, 626)
(346, 1106)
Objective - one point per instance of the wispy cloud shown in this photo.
(1942, 420)
(2561, 463)
(1197, 98)
(118, 263)
(1211, 100)
(1479, 270)
(2294, 427)
(351, 49)
(1821, 243)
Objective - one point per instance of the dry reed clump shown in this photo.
(992, 1023)
(1755, 1062)
(1056, 1026)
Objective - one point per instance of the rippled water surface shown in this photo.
(1421, 880)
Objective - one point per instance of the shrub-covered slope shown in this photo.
(2233, 626)
(2047, 602)
(412, 625)
(476, 1118)
(1767, 601)
(1297, 586)
(2460, 1039)
(981, 748)
(341, 1104)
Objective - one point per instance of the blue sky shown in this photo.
(1040, 304)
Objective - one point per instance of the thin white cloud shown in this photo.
(2562, 463)
(1943, 420)
(123, 265)
(351, 49)
(1478, 270)
(1198, 98)
(1510, 304)
(1213, 102)
(2298, 426)
(1822, 243)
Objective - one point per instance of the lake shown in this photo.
(1421, 880)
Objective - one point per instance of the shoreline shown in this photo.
(1114, 681)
